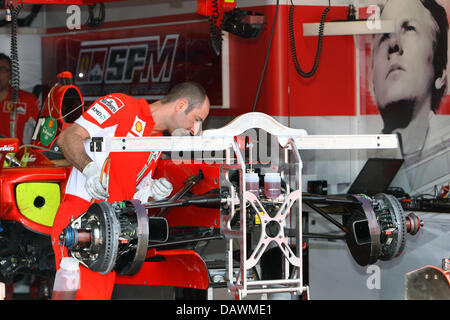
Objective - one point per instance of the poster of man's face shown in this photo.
(404, 86)
(404, 59)
(409, 65)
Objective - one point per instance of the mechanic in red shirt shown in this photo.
(185, 107)
(19, 121)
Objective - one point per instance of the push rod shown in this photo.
(328, 199)
(325, 236)
(188, 184)
(170, 243)
(326, 216)
(196, 200)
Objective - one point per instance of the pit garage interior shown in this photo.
(343, 102)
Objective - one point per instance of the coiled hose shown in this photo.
(215, 32)
(293, 46)
(96, 21)
(15, 72)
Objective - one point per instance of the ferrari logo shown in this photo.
(19, 107)
(9, 106)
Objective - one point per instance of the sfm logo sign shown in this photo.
(126, 61)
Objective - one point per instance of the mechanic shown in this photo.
(184, 108)
(22, 117)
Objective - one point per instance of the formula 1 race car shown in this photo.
(229, 194)
(33, 180)
(223, 191)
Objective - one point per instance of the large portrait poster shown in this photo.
(404, 90)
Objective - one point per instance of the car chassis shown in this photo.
(123, 236)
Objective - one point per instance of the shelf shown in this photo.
(339, 28)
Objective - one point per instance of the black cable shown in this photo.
(215, 32)
(15, 74)
(293, 46)
(25, 22)
(96, 21)
(267, 57)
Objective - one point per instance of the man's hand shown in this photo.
(94, 187)
(161, 189)
(157, 189)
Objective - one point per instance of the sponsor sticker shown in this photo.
(48, 131)
(6, 148)
(138, 127)
(113, 104)
(98, 113)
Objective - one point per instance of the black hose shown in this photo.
(293, 46)
(15, 72)
(267, 57)
(25, 22)
(215, 32)
(96, 21)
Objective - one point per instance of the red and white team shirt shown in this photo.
(117, 115)
(26, 111)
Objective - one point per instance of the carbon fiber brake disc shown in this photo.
(378, 231)
(393, 224)
(130, 262)
(102, 222)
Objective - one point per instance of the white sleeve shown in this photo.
(93, 129)
(145, 182)
(28, 130)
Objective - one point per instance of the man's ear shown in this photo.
(181, 104)
(441, 81)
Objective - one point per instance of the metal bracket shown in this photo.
(222, 138)
(96, 144)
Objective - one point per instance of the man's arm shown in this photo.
(70, 141)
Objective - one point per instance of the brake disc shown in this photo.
(130, 261)
(114, 236)
(102, 222)
(393, 225)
